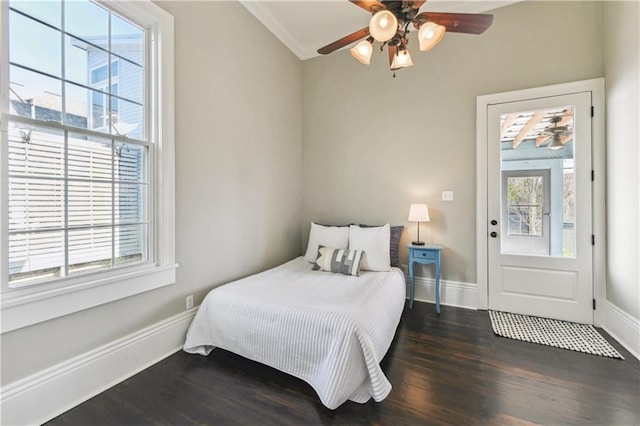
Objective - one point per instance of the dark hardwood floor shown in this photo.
(451, 370)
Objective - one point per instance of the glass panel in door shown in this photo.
(537, 186)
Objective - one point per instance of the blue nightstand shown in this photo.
(427, 254)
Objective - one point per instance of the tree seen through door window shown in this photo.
(524, 207)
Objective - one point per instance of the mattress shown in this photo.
(330, 330)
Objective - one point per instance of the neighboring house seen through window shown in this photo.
(104, 84)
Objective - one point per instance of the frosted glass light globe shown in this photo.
(362, 51)
(429, 35)
(402, 60)
(383, 26)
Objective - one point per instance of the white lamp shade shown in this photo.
(383, 26)
(362, 51)
(401, 60)
(418, 213)
(429, 35)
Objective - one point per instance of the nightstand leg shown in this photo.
(438, 287)
(412, 285)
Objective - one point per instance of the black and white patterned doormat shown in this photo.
(550, 332)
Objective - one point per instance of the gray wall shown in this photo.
(238, 179)
(372, 144)
(621, 52)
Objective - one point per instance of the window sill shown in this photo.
(20, 310)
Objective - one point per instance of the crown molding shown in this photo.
(272, 24)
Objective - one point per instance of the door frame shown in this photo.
(596, 87)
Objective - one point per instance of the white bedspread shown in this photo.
(331, 330)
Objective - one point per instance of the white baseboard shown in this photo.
(50, 392)
(622, 327)
(452, 293)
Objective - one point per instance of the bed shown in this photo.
(328, 329)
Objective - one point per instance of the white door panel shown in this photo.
(551, 284)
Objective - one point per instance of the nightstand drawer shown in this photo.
(424, 254)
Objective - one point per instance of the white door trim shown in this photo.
(596, 87)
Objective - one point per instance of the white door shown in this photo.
(539, 207)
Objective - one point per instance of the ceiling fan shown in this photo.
(390, 23)
(558, 133)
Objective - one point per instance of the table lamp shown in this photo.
(418, 213)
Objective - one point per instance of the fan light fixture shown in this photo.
(383, 26)
(556, 142)
(389, 24)
(363, 50)
(402, 59)
(429, 35)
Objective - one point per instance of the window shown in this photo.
(82, 115)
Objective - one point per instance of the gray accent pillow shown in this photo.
(341, 261)
(396, 233)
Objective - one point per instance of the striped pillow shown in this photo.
(341, 261)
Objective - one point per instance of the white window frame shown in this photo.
(31, 305)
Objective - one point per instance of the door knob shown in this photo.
(494, 234)
(494, 222)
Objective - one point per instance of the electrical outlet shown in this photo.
(190, 301)
(447, 195)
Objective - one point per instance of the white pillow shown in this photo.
(328, 236)
(375, 244)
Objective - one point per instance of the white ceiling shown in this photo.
(304, 26)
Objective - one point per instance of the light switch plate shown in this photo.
(447, 195)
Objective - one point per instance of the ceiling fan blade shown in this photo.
(468, 23)
(369, 5)
(338, 44)
(541, 139)
(417, 4)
